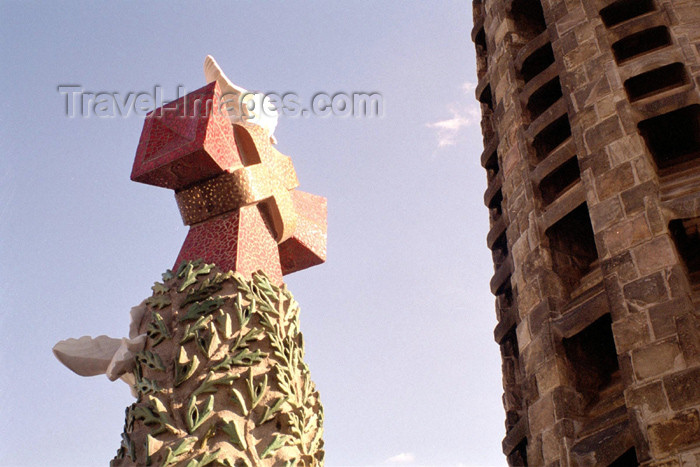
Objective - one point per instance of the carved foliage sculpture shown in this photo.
(221, 380)
(215, 356)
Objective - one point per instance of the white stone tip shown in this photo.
(213, 72)
(87, 356)
(261, 113)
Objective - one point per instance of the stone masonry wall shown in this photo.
(591, 122)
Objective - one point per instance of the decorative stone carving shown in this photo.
(243, 106)
(215, 356)
(221, 378)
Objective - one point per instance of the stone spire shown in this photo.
(215, 355)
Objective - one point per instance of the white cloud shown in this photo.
(468, 87)
(449, 130)
(403, 458)
(463, 115)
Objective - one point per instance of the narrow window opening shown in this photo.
(544, 98)
(674, 137)
(513, 397)
(499, 251)
(509, 346)
(528, 18)
(481, 65)
(552, 136)
(512, 416)
(519, 454)
(561, 179)
(656, 81)
(506, 283)
(624, 10)
(491, 165)
(480, 40)
(641, 42)
(487, 129)
(627, 459)
(495, 205)
(505, 297)
(686, 235)
(593, 357)
(536, 63)
(572, 246)
(486, 97)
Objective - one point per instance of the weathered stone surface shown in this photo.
(510, 160)
(626, 369)
(657, 222)
(624, 149)
(631, 332)
(622, 265)
(690, 459)
(626, 234)
(689, 337)
(633, 199)
(619, 307)
(539, 316)
(536, 353)
(647, 290)
(677, 279)
(576, 318)
(605, 213)
(615, 181)
(654, 255)
(597, 162)
(607, 130)
(598, 243)
(523, 333)
(683, 388)
(638, 426)
(604, 446)
(680, 431)
(550, 446)
(541, 413)
(656, 359)
(515, 435)
(671, 462)
(650, 400)
(662, 317)
(568, 403)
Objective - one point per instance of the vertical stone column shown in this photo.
(536, 381)
(597, 253)
(637, 61)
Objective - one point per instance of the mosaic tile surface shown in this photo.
(307, 247)
(181, 143)
(233, 188)
(240, 241)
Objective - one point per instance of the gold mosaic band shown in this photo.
(243, 187)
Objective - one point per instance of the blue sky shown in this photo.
(399, 321)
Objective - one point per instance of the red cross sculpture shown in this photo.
(233, 188)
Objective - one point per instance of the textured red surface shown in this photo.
(183, 147)
(239, 241)
(186, 141)
(307, 247)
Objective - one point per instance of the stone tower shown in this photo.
(591, 125)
